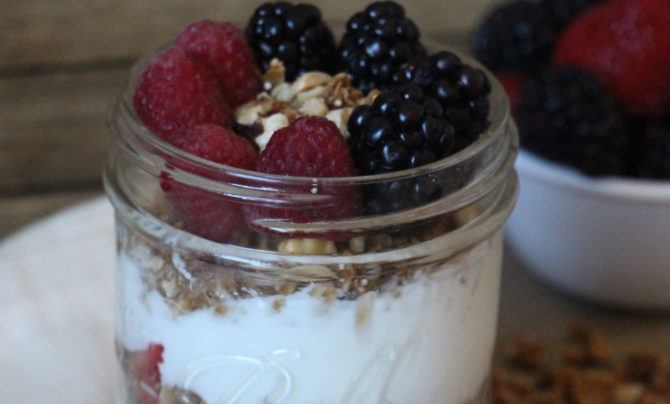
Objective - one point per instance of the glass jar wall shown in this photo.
(243, 304)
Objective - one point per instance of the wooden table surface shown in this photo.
(62, 63)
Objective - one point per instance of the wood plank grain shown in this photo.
(37, 33)
(16, 212)
(53, 129)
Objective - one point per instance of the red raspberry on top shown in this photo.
(220, 145)
(174, 94)
(203, 213)
(309, 147)
(224, 49)
(626, 44)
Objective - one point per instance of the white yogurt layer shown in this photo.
(431, 343)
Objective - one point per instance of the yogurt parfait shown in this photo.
(302, 219)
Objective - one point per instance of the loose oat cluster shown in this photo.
(586, 372)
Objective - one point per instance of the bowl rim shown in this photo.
(569, 179)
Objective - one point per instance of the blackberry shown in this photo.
(377, 41)
(295, 34)
(515, 36)
(563, 11)
(461, 90)
(567, 117)
(653, 157)
(402, 129)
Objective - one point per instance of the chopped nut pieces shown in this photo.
(189, 283)
(313, 93)
(585, 374)
(175, 395)
(307, 246)
(357, 244)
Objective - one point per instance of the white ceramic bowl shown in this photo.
(606, 240)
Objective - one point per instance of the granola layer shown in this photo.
(425, 332)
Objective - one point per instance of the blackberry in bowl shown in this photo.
(567, 117)
(584, 222)
(515, 36)
(589, 84)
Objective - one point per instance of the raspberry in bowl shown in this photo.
(314, 242)
(591, 102)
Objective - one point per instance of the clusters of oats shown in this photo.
(585, 373)
(312, 94)
(188, 283)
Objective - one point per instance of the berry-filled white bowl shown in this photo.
(605, 240)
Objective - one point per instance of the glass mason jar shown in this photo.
(399, 306)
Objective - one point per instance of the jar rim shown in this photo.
(445, 245)
(499, 117)
(477, 174)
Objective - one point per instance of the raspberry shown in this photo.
(378, 40)
(294, 34)
(204, 213)
(626, 44)
(224, 50)
(309, 147)
(144, 366)
(567, 117)
(174, 94)
(220, 145)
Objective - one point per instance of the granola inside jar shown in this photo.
(395, 306)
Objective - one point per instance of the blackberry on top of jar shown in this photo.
(377, 41)
(461, 90)
(402, 129)
(294, 34)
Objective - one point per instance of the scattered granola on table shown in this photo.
(584, 373)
